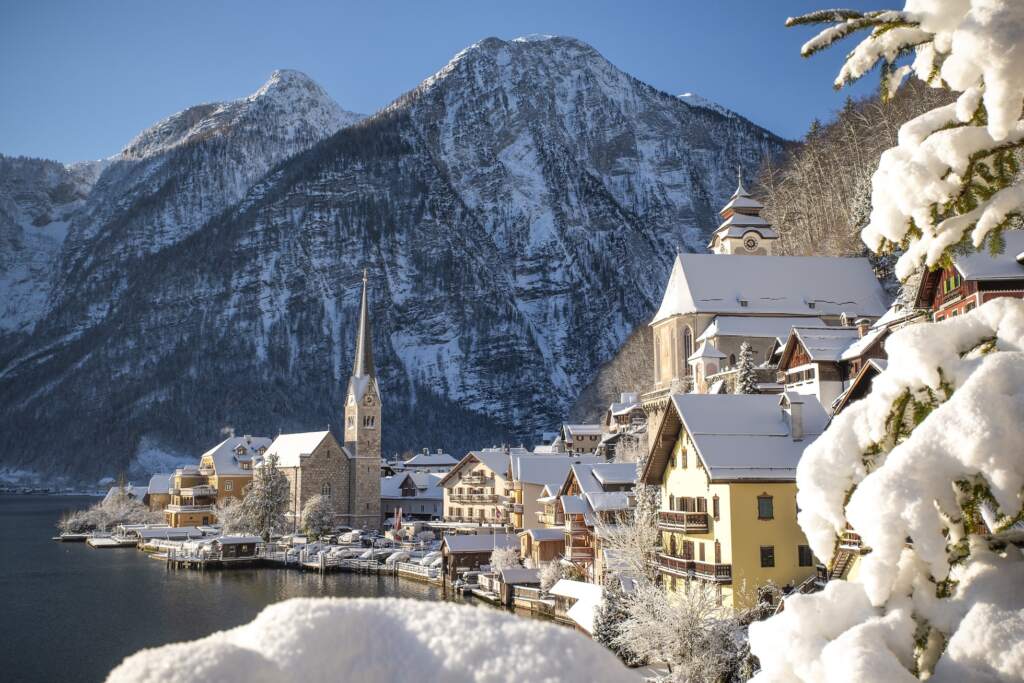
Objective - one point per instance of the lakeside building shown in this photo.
(580, 438)
(468, 552)
(417, 495)
(530, 473)
(476, 489)
(348, 474)
(223, 473)
(973, 279)
(159, 491)
(726, 465)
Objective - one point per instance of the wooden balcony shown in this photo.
(189, 508)
(693, 522)
(478, 498)
(580, 553)
(692, 569)
(548, 519)
(850, 540)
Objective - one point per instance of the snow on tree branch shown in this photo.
(916, 468)
(952, 180)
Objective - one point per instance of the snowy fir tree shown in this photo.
(230, 516)
(264, 506)
(746, 382)
(928, 468)
(550, 574)
(609, 616)
(318, 517)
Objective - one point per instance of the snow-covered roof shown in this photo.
(431, 460)
(983, 266)
(290, 448)
(427, 485)
(545, 449)
(553, 534)
(160, 483)
(771, 285)
(228, 455)
(826, 344)
(604, 502)
(744, 201)
(588, 597)
(580, 429)
(546, 469)
(744, 220)
(593, 478)
(238, 540)
(748, 436)
(757, 327)
(520, 575)
(479, 543)
(574, 505)
(136, 492)
(705, 350)
(861, 345)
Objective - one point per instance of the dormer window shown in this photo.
(744, 303)
(811, 304)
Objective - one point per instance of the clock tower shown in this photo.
(743, 231)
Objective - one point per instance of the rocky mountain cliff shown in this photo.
(518, 213)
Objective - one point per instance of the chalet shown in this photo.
(542, 545)
(592, 496)
(417, 494)
(973, 279)
(625, 414)
(821, 362)
(476, 489)
(468, 552)
(581, 438)
(530, 473)
(726, 465)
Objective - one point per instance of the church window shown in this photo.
(732, 359)
(687, 348)
(369, 420)
(325, 490)
(351, 421)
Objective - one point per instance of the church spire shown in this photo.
(363, 365)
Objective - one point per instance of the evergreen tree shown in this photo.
(746, 382)
(609, 616)
(264, 506)
(318, 517)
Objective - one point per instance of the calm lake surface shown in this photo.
(69, 612)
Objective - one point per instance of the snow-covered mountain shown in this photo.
(695, 100)
(518, 213)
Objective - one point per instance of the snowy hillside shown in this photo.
(695, 100)
(518, 213)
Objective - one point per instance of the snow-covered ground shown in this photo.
(380, 641)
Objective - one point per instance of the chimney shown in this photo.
(863, 325)
(796, 420)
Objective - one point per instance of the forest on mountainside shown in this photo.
(818, 196)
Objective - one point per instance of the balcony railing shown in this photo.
(477, 480)
(189, 508)
(671, 520)
(709, 571)
(850, 540)
(580, 552)
(473, 498)
(550, 519)
(480, 520)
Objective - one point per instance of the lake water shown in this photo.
(69, 612)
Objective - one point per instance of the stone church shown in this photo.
(348, 473)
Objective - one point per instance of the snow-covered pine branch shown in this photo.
(746, 382)
(929, 470)
(952, 180)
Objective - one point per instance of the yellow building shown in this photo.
(534, 475)
(224, 472)
(478, 488)
(726, 465)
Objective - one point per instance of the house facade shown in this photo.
(530, 474)
(417, 495)
(477, 489)
(726, 465)
(581, 438)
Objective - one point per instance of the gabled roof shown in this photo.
(540, 535)
(479, 543)
(546, 469)
(497, 460)
(593, 478)
(580, 429)
(772, 285)
(861, 384)
(737, 436)
(226, 459)
(290, 448)
(705, 350)
(427, 485)
(821, 344)
(520, 575)
(757, 327)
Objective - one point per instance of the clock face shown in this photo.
(368, 400)
(750, 243)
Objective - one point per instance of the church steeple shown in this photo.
(743, 230)
(363, 364)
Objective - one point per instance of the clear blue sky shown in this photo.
(79, 79)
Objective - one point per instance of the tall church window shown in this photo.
(369, 420)
(687, 348)
(325, 490)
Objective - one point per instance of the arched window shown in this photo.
(687, 348)
(325, 490)
(732, 360)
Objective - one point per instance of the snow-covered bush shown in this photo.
(929, 470)
(117, 508)
(609, 616)
(952, 180)
(379, 641)
(318, 517)
(503, 558)
(550, 574)
(266, 501)
(687, 630)
(231, 518)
